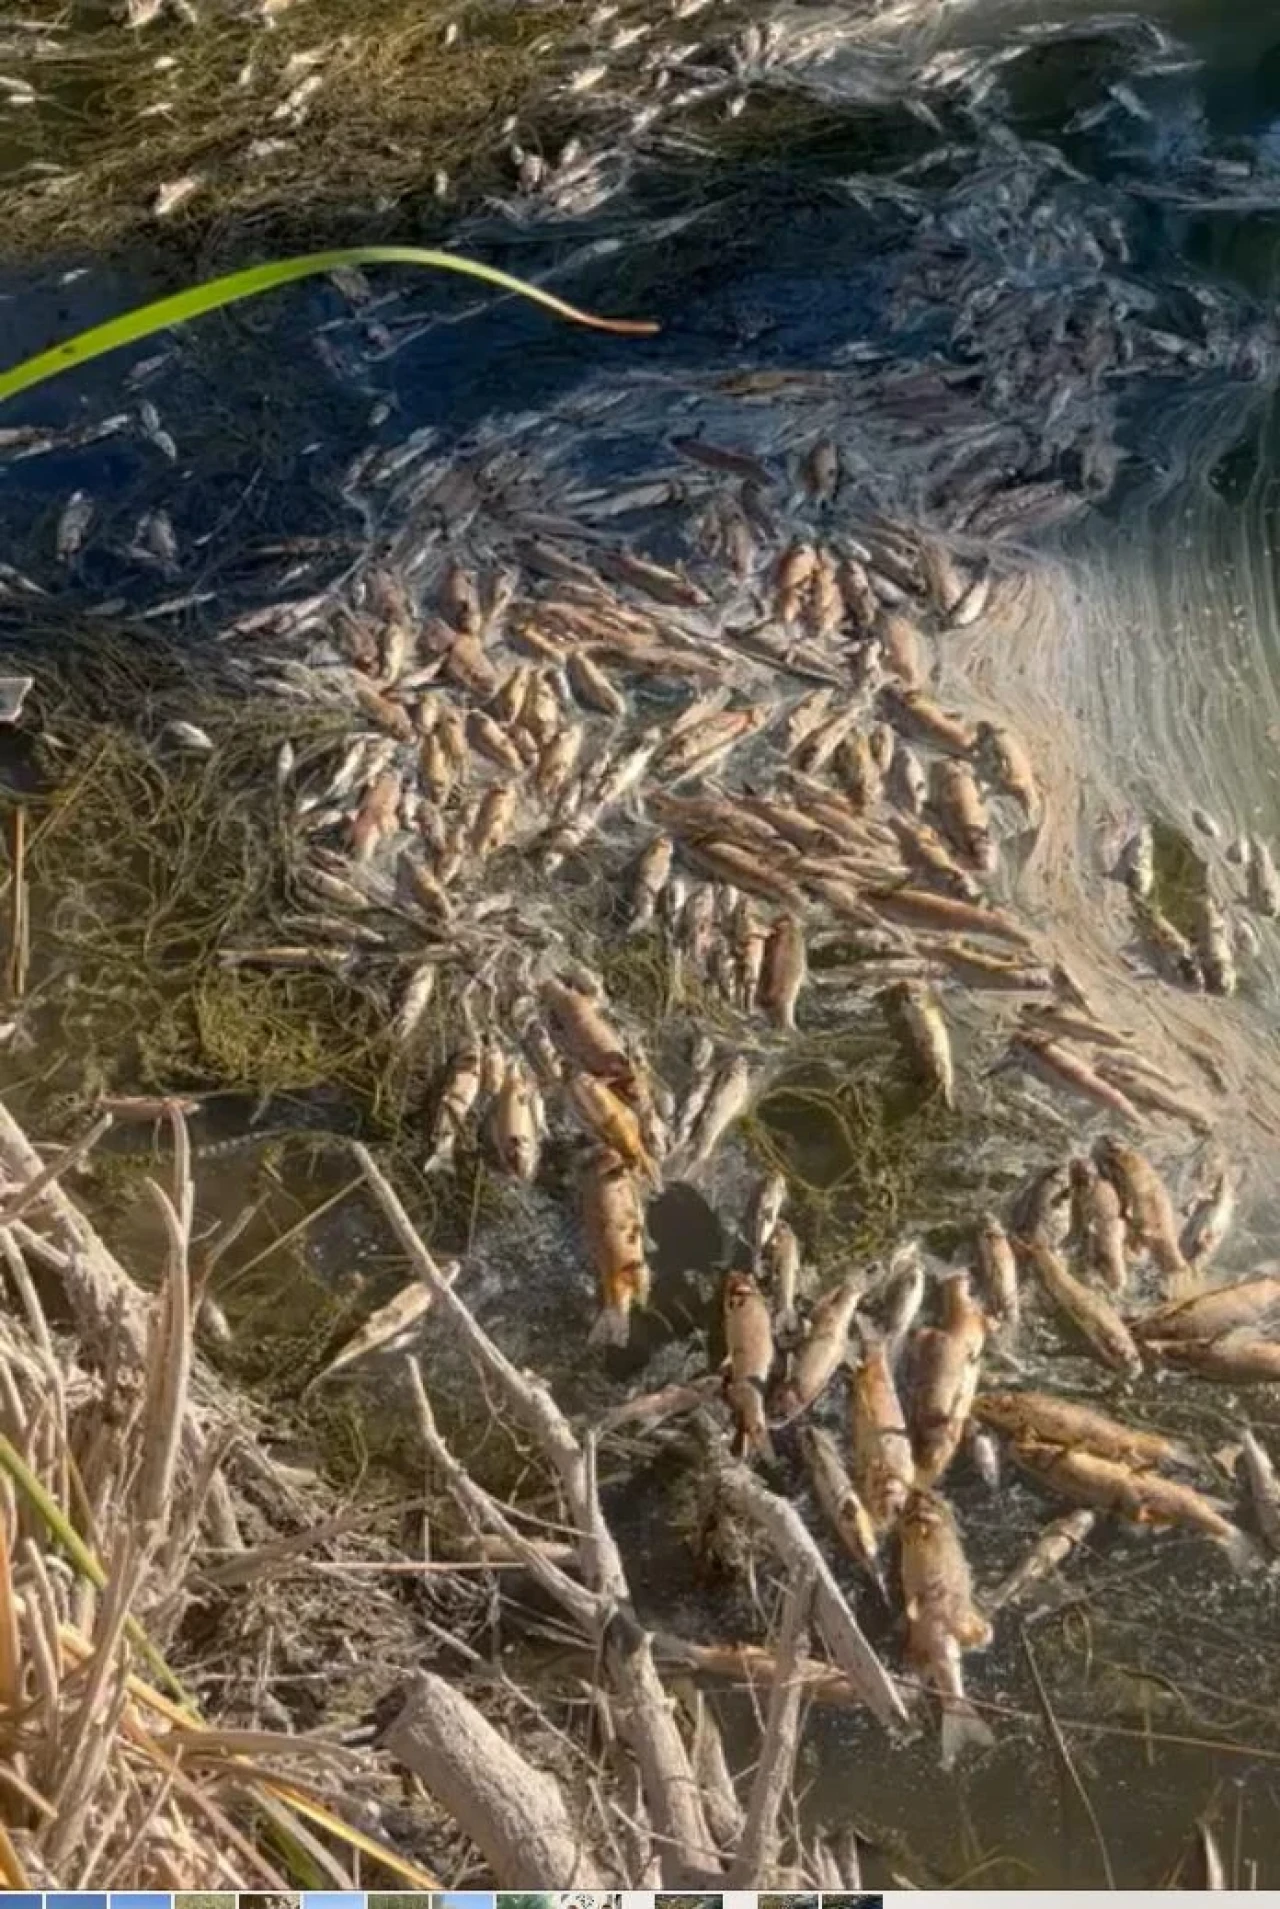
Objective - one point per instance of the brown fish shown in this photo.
(911, 711)
(1053, 1547)
(1004, 760)
(583, 1034)
(954, 792)
(612, 1122)
(613, 1221)
(1239, 1358)
(942, 1620)
(1249, 1305)
(1144, 1497)
(749, 1360)
(947, 1361)
(1148, 1210)
(840, 1503)
(784, 973)
(376, 817)
(903, 648)
(1049, 1420)
(1090, 1311)
(821, 1351)
(997, 1269)
(917, 908)
(1098, 1223)
(883, 1463)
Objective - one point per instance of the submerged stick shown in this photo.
(514, 1813)
(757, 1850)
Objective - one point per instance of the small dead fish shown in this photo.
(613, 1222)
(917, 908)
(910, 710)
(1264, 884)
(820, 470)
(1264, 1487)
(377, 817)
(1238, 1358)
(612, 1121)
(1088, 1310)
(963, 814)
(584, 1034)
(839, 1502)
(781, 1261)
(1056, 1065)
(1004, 760)
(1048, 1419)
(765, 1209)
(983, 1454)
(903, 648)
(920, 1014)
(821, 1352)
(592, 687)
(414, 1002)
(1098, 1223)
(458, 1096)
(942, 1619)
(748, 1362)
(883, 1461)
(1148, 1210)
(1137, 865)
(784, 972)
(1052, 1548)
(1145, 1497)
(652, 871)
(516, 1134)
(997, 1269)
(73, 525)
(945, 1368)
(1210, 1221)
(728, 1098)
(1246, 1305)
(187, 736)
(1213, 942)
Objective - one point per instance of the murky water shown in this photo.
(1110, 173)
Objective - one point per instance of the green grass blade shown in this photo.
(58, 1526)
(179, 307)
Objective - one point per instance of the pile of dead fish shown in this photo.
(564, 749)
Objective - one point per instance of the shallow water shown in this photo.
(790, 253)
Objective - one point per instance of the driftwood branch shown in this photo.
(515, 1814)
(757, 1849)
(789, 1538)
(602, 1604)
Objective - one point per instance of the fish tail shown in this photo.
(962, 1729)
(612, 1327)
(1242, 1553)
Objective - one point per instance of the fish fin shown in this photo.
(1242, 1552)
(612, 1328)
(962, 1729)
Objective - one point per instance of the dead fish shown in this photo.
(414, 1001)
(728, 1098)
(1264, 1488)
(1238, 1358)
(1137, 865)
(997, 1269)
(1052, 1548)
(920, 1013)
(1177, 956)
(1055, 1064)
(1089, 1310)
(955, 795)
(983, 1454)
(945, 1368)
(1145, 1497)
(820, 470)
(557, 762)
(1148, 1210)
(1246, 1305)
(1004, 760)
(583, 1033)
(516, 1124)
(748, 1362)
(73, 525)
(1210, 1221)
(377, 816)
(764, 1211)
(821, 1352)
(917, 908)
(839, 1502)
(612, 1121)
(781, 1260)
(883, 1461)
(1097, 1219)
(1042, 1210)
(491, 825)
(903, 648)
(458, 1096)
(784, 972)
(1048, 1419)
(918, 715)
(942, 1620)
(1264, 884)
(1213, 941)
(592, 687)
(613, 1222)
(794, 573)
(188, 736)
(924, 849)
(651, 872)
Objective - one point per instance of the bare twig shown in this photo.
(26, 1197)
(756, 1853)
(1065, 1757)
